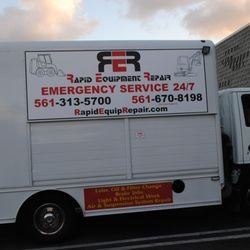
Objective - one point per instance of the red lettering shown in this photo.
(54, 91)
(147, 75)
(104, 89)
(157, 87)
(88, 90)
(96, 89)
(70, 78)
(98, 77)
(44, 91)
(116, 63)
(71, 90)
(130, 88)
(112, 88)
(124, 110)
(63, 91)
(101, 111)
(183, 86)
(123, 88)
(165, 87)
(79, 90)
(138, 88)
(77, 112)
(147, 87)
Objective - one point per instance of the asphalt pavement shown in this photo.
(197, 228)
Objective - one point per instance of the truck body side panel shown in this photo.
(78, 150)
(174, 146)
(171, 146)
(53, 136)
(14, 146)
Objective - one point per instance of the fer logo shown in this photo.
(119, 60)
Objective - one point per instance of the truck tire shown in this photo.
(50, 220)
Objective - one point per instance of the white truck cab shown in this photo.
(235, 121)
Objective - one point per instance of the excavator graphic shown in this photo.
(185, 64)
(42, 65)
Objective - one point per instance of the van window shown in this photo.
(246, 108)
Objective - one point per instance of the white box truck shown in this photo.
(114, 127)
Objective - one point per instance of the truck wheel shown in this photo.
(50, 220)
